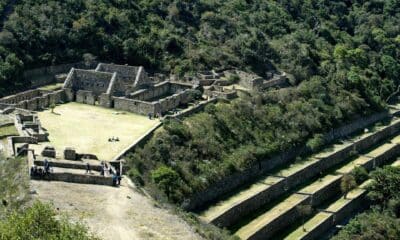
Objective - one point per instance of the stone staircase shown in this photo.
(268, 206)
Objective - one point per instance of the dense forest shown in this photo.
(343, 58)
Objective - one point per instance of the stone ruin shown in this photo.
(123, 87)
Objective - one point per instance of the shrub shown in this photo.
(360, 174)
(41, 222)
(166, 179)
(316, 143)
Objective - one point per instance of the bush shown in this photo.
(233, 79)
(41, 222)
(360, 174)
(136, 177)
(166, 179)
(316, 143)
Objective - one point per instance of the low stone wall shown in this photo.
(65, 164)
(134, 106)
(320, 229)
(288, 217)
(326, 192)
(78, 178)
(46, 75)
(23, 96)
(140, 142)
(34, 100)
(192, 110)
(239, 178)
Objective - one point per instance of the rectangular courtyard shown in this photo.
(88, 128)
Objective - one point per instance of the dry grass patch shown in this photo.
(87, 129)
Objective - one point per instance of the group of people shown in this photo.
(113, 139)
(105, 168)
(41, 172)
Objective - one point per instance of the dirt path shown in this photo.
(114, 213)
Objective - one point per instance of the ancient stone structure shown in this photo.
(125, 88)
(28, 125)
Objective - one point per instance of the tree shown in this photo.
(347, 184)
(385, 185)
(40, 221)
(166, 179)
(304, 211)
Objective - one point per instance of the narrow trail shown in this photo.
(114, 213)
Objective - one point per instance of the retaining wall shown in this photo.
(239, 178)
(310, 171)
(140, 142)
(288, 217)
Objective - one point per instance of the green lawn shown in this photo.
(87, 129)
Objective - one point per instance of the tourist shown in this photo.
(114, 180)
(118, 178)
(46, 166)
(88, 168)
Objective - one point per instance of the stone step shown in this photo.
(321, 222)
(230, 210)
(319, 191)
(75, 176)
(94, 164)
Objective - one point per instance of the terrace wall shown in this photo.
(239, 178)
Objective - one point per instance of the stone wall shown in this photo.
(128, 77)
(192, 110)
(105, 100)
(69, 164)
(86, 97)
(24, 96)
(288, 217)
(96, 82)
(159, 90)
(79, 178)
(35, 99)
(46, 75)
(139, 143)
(279, 80)
(239, 178)
(308, 172)
(134, 106)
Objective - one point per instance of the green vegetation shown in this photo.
(8, 131)
(40, 221)
(382, 221)
(354, 43)
(343, 70)
(14, 184)
(19, 220)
